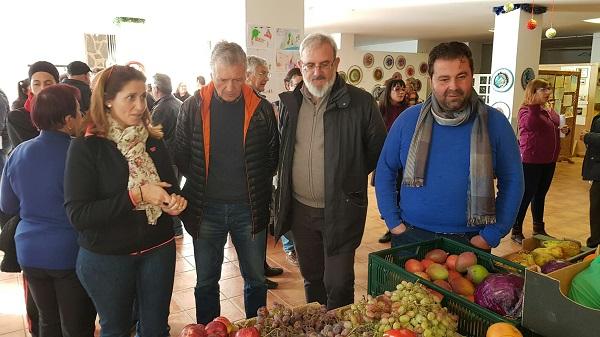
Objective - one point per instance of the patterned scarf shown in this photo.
(131, 141)
(481, 204)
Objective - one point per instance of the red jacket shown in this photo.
(539, 139)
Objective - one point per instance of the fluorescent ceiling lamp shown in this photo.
(596, 20)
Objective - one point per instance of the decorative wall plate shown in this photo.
(342, 74)
(502, 107)
(418, 85)
(368, 60)
(377, 91)
(378, 74)
(502, 80)
(397, 75)
(354, 75)
(423, 67)
(410, 71)
(400, 62)
(527, 75)
(388, 61)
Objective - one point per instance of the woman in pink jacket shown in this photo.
(539, 142)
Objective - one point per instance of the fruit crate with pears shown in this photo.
(386, 271)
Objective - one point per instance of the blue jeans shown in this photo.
(288, 242)
(414, 234)
(114, 281)
(218, 220)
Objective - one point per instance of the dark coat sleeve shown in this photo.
(274, 137)
(183, 134)
(20, 128)
(83, 207)
(375, 135)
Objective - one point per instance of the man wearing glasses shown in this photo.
(331, 139)
(257, 74)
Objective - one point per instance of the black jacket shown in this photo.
(84, 90)
(591, 162)
(20, 127)
(354, 136)
(181, 98)
(261, 154)
(8, 228)
(165, 113)
(97, 200)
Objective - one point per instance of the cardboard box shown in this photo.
(534, 242)
(548, 311)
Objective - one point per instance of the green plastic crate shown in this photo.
(385, 272)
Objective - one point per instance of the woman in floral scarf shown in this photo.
(120, 194)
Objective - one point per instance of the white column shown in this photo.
(595, 58)
(515, 49)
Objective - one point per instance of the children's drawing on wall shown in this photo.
(260, 37)
(284, 61)
(288, 39)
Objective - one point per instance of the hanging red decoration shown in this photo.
(532, 23)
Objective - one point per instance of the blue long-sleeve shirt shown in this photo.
(441, 204)
(32, 186)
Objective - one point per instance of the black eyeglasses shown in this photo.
(321, 66)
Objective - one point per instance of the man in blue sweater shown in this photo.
(449, 150)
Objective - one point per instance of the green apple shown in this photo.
(477, 273)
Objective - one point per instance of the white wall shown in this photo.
(176, 38)
(289, 15)
(350, 56)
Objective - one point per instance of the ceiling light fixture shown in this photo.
(596, 20)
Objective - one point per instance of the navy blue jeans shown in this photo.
(114, 281)
(414, 234)
(288, 242)
(218, 220)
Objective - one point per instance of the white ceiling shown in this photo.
(465, 20)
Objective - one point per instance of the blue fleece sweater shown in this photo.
(32, 186)
(441, 204)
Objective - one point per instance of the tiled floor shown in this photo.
(566, 215)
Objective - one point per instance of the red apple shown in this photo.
(217, 329)
(426, 263)
(193, 330)
(225, 321)
(248, 332)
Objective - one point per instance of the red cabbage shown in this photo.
(554, 265)
(501, 293)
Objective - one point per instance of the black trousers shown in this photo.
(328, 280)
(537, 183)
(65, 308)
(33, 319)
(594, 238)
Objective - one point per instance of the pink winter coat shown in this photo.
(539, 139)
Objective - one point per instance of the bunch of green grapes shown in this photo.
(414, 307)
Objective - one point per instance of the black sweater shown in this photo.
(97, 200)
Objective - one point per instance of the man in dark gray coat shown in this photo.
(165, 113)
(331, 138)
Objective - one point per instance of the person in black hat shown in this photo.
(79, 76)
(20, 128)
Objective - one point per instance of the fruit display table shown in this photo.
(455, 271)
